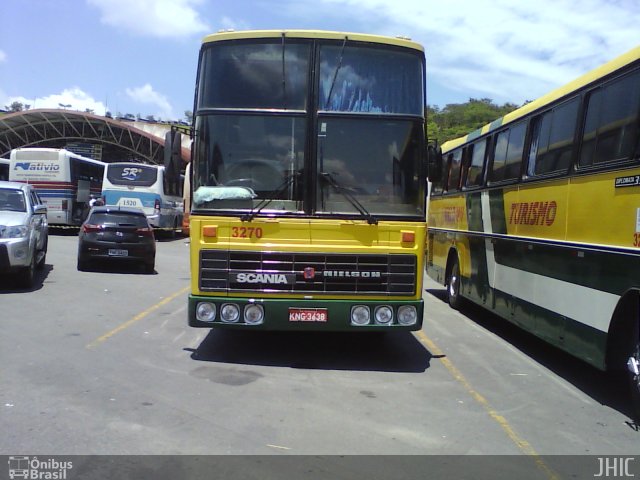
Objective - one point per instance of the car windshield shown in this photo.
(118, 219)
(12, 200)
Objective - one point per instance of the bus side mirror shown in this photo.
(434, 162)
(173, 158)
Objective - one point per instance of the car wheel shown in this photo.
(150, 267)
(43, 255)
(83, 265)
(27, 275)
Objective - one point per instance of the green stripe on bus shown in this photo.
(607, 271)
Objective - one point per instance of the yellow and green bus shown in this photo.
(308, 182)
(536, 217)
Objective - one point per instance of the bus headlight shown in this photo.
(253, 314)
(360, 315)
(407, 315)
(383, 315)
(229, 313)
(206, 312)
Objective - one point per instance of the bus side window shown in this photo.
(455, 170)
(552, 139)
(507, 153)
(611, 123)
(477, 155)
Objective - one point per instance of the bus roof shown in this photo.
(321, 34)
(54, 150)
(582, 81)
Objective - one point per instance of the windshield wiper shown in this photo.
(335, 74)
(371, 220)
(247, 217)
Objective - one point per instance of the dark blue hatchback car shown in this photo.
(116, 234)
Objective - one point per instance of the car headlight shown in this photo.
(16, 231)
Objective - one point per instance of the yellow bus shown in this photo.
(536, 217)
(308, 182)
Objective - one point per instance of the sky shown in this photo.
(140, 56)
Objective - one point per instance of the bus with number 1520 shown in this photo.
(147, 187)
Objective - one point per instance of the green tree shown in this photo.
(458, 119)
(15, 107)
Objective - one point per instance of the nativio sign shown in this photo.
(37, 166)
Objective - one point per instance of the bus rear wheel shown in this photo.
(633, 367)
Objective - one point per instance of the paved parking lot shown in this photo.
(103, 362)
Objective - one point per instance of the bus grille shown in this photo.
(240, 271)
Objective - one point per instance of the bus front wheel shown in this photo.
(453, 285)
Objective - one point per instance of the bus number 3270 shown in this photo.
(246, 232)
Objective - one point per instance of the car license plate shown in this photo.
(308, 315)
(117, 252)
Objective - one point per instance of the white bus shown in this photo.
(4, 168)
(64, 180)
(129, 184)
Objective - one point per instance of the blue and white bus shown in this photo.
(144, 186)
(64, 180)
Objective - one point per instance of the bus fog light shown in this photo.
(360, 315)
(253, 314)
(206, 312)
(407, 315)
(229, 313)
(383, 315)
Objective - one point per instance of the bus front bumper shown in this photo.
(295, 314)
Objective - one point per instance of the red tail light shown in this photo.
(88, 228)
(145, 232)
(157, 204)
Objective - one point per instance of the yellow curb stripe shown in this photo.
(135, 319)
(520, 442)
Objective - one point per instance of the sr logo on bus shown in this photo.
(131, 173)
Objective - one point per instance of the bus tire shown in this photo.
(174, 230)
(634, 378)
(453, 285)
